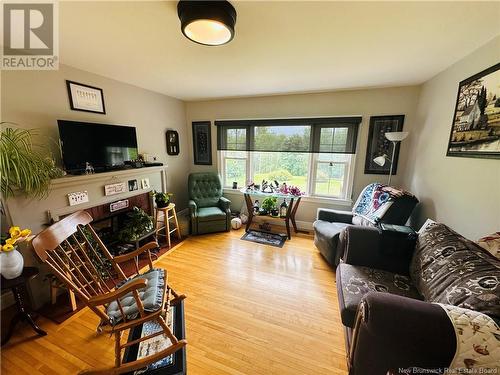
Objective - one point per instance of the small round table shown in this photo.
(17, 285)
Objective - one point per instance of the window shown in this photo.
(332, 172)
(314, 154)
(234, 168)
(292, 168)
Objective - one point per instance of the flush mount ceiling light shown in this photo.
(209, 23)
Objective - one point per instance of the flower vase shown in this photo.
(11, 264)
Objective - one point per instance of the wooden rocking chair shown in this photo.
(71, 249)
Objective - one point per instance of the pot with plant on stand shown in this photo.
(11, 260)
(268, 205)
(162, 200)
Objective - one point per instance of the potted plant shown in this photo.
(11, 260)
(25, 166)
(268, 205)
(162, 199)
(137, 224)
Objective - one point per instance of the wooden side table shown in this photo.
(17, 286)
(164, 223)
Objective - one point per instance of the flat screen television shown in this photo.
(105, 147)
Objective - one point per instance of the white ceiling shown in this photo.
(279, 47)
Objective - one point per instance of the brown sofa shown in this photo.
(392, 320)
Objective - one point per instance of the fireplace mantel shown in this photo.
(108, 177)
(36, 214)
(104, 179)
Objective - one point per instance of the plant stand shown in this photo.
(163, 223)
(290, 212)
(137, 242)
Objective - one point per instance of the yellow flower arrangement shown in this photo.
(16, 236)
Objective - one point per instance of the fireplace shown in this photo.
(110, 218)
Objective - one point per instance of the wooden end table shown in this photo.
(17, 286)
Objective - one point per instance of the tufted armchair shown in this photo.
(210, 211)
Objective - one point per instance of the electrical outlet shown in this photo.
(78, 197)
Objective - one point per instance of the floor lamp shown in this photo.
(394, 137)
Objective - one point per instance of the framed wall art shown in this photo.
(475, 131)
(145, 183)
(133, 185)
(379, 145)
(85, 98)
(172, 142)
(202, 143)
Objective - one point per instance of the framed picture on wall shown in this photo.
(379, 145)
(172, 142)
(85, 98)
(202, 143)
(475, 130)
(133, 185)
(145, 183)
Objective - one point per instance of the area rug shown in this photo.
(174, 364)
(265, 238)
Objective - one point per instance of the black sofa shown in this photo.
(392, 320)
(376, 204)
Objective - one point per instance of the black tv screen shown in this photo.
(103, 146)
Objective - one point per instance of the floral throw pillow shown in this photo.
(491, 244)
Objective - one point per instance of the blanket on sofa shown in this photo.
(373, 203)
(478, 340)
(450, 269)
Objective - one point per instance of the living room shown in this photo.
(287, 165)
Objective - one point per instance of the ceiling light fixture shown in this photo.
(210, 23)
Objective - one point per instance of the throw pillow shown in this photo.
(491, 244)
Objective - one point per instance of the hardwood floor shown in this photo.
(251, 309)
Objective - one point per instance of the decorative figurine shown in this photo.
(256, 206)
(89, 169)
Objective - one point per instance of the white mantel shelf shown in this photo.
(71, 180)
(87, 181)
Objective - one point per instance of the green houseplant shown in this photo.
(268, 205)
(162, 199)
(24, 165)
(137, 224)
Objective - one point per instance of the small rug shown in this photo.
(174, 364)
(264, 238)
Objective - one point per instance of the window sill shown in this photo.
(305, 198)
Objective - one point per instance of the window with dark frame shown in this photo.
(315, 154)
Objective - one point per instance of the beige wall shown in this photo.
(461, 192)
(399, 100)
(36, 99)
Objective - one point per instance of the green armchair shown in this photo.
(209, 210)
